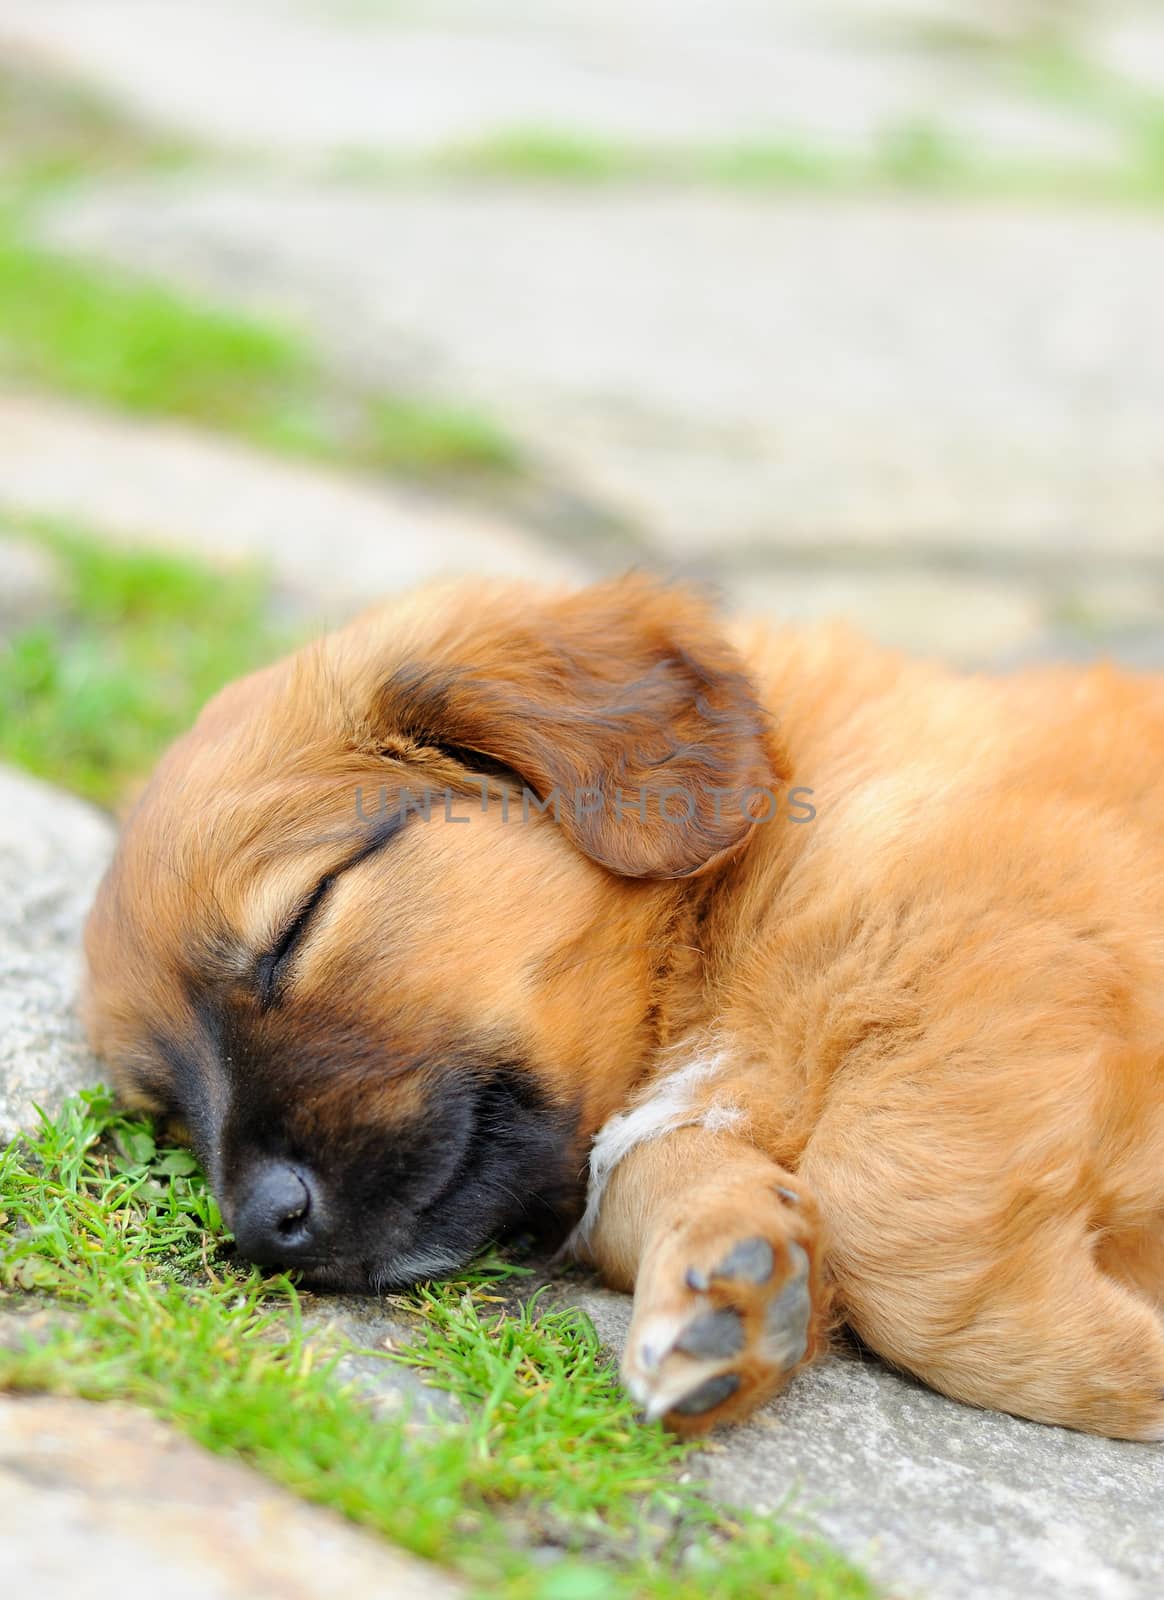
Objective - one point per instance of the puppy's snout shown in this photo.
(277, 1215)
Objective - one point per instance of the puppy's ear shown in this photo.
(621, 706)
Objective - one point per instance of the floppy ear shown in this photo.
(620, 705)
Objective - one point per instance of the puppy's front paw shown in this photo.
(725, 1309)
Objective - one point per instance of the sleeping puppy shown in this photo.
(808, 984)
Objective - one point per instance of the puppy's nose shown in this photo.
(276, 1215)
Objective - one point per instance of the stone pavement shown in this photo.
(728, 370)
(99, 1502)
(342, 76)
(332, 543)
(53, 849)
(943, 422)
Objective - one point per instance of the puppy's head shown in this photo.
(387, 931)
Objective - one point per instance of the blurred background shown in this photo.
(853, 307)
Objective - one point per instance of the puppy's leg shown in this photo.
(1079, 1351)
(723, 1249)
(1041, 1331)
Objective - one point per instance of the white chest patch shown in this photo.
(670, 1102)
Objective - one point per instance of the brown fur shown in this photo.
(940, 1002)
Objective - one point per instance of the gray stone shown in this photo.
(1129, 42)
(968, 618)
(29, 1322)
(53, 849)
(333, 543)
(734, 376)
(404, 75)
(935, 1498)
(363, 1330)
(30, 583)
(101, 1501)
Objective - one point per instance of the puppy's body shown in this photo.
(902, 1063)
(941, 1006)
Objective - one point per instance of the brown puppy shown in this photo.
(494, 878)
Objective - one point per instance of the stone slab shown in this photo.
(333, 543)
(728, 373)
(404, 76)
(101, 1501)
(363, 1329)
(53, 849)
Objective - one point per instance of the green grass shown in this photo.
(919, 155)
(87, 332)
(546, 153)
(75, 328)
(433, 440)
(550, 156)
(91, 694)
(550, 1490)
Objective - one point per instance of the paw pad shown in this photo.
(752, 1261)
(715, 1333)
(731, 1328)
(787, 1317)
(712, 1393)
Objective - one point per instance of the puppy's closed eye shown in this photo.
(271, 968)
